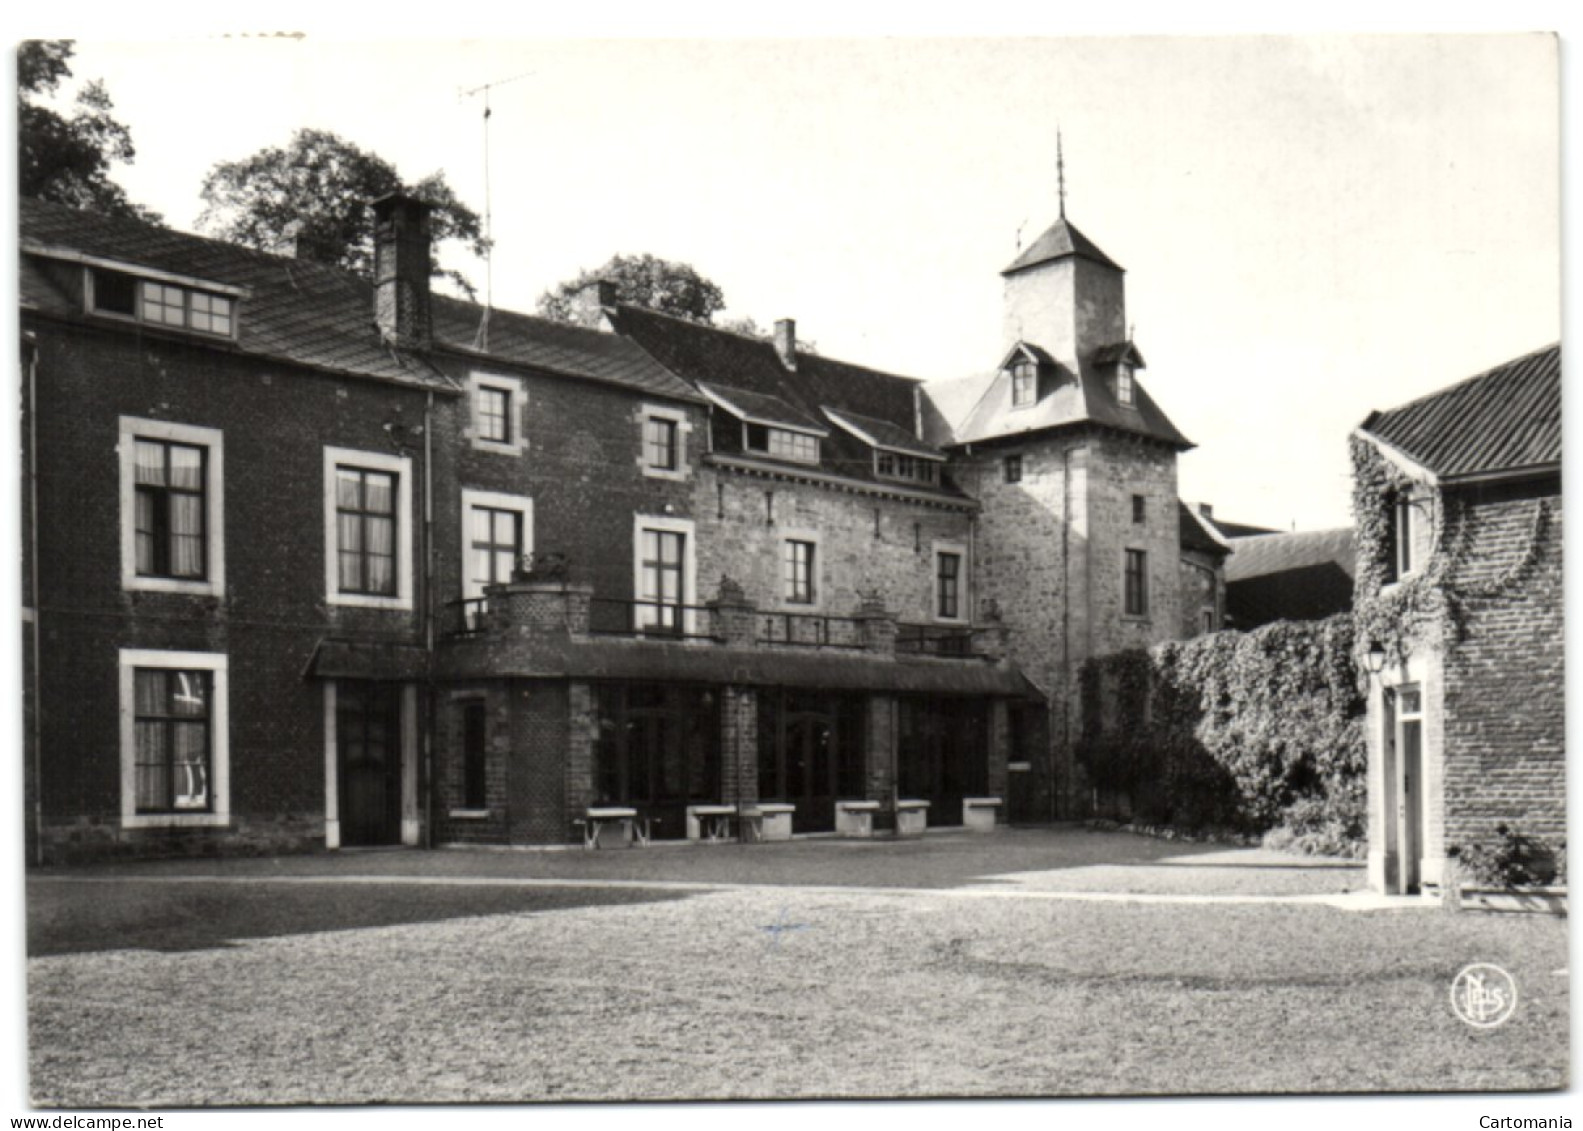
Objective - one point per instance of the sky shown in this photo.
(1312, 226)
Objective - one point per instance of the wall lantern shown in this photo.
(1376, 657)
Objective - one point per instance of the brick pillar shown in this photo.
(734, 616)
(879, 749)
(739, 744)
(877, 625)
(582, 728)
(999, 751)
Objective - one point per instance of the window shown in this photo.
(781, 443)
(171, 510)
(894, 465)
(1124, 386)
(797, 572)
(662, 441)
(496, 405)
(1024, 383)
(496, 546)
(948, 585)
(494, 414)
(1013, 469)
(368, 529)
(1139, 506)
(365, 508)
(1135, 598)
(1401, 547)
(161, 303)
(659, 443)
(475, 751)
(664, 577)
(174, 745)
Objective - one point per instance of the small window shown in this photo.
(1013, 469)
(797, 572)
(1024, 383)
(1402, 563)
(365, 505)
(948, 586)
(1135, 599)
(115, 293)
(894, 465)
(781, 443)
(659, 443)
(1124, 386)
(1138, 508)
(172, 740)
(475, 751)
(494, 414)
(162, 304)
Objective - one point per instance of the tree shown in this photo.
(323, 184)
(642, 280)
(67, 158)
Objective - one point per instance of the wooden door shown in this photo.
(368, 741)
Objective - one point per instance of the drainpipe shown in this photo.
(1066, 614)
(428, 620)
(33, 601)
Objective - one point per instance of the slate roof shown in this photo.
(321, 316)
(1197, 533)
(761, 408)
(882, 433)
(1060, 240)
(737, 366)
(1302, 576)
(1503, 420)
(1065, 400)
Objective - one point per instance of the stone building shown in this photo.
(1457, 498)
(314, 560)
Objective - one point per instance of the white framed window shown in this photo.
(662, 441)
(950, 582)
(800, 567)
(367, 529)
(172, 507)
(782, 443)
(497, 530)
(664, 573)
(1024, 383)
(1403, 553)
(162, 301)
(1125, 393)
(174, 738)
(497, 410)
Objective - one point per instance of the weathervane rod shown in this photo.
(1060, 172)
(482, 340)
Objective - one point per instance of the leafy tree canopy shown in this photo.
(67, 157)
(641, 280)
(322, 184)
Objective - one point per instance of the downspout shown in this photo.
(428, 620)
(33, 601)
(1066, 615)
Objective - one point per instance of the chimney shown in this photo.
(1206, 510)
(401, 271)
(287, 244)
(588, 303)
(786, 341)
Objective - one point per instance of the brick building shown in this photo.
(1459, 593)
(277, 518)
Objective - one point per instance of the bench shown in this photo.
(912, 817)
(855, 818)
(978, 813)
(710, 823)
(634, 829)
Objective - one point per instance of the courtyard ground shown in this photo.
(1032, 962)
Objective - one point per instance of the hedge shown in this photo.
(1249, 732)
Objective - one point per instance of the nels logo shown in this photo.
(1484, 995)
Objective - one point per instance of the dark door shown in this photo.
(810, 753)
(658, 752)
(368, 741)
(942, 755)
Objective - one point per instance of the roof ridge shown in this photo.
(1455, 386)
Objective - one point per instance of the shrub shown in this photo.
(1511, 860)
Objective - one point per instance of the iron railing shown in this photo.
(810, 630)
(933, 640)
(616, 616)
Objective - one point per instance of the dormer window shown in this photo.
(894, 465)
(1024, 383)
(782, 443)
(1124, 385)
(159, 303)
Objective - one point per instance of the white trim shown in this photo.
(800, 534)
(218, 665)
(468, 814)
(332, 774)
(516, 418)
(212, 440)
(521, 505)
(684, 429)
(70, 255)
(683, 526)
(960, 550)
(401, 467)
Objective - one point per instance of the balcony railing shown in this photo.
(933, 640)
(811, 630)
(464, 618)
(612, 616)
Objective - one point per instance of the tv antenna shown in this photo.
(481, 340)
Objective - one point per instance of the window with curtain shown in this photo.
(660, 571)
(171, 721)
(797, 565)
(365, 503)
(169, 492)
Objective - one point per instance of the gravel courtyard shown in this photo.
(1034, 962)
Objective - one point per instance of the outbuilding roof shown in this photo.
(1504, 420)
